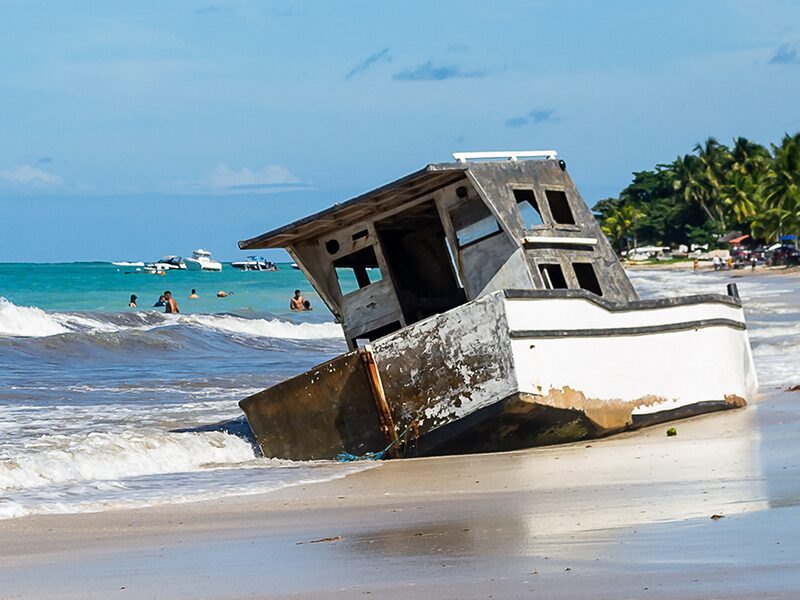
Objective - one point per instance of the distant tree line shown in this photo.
(700, 196)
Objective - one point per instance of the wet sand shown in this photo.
(623, 517)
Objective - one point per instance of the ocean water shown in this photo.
(90, 390)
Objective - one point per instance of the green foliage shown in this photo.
(700, 196)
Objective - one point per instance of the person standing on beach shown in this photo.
(171, 305)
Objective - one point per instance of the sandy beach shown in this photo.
(628, 516)
(706, 267)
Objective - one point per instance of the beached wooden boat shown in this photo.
(489, 313)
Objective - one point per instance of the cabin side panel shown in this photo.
(491, 261)
(538, 202)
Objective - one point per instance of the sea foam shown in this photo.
(273, 328)
(31, 321)
(95, 457)
(27, 321)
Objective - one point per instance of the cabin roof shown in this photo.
(396, 193)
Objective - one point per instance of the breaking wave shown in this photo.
(27, 321)
(103, 471)
(31, 321)
(106, 456)
(274, 328)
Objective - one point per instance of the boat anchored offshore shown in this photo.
(502, 319)
(165, 263)
(201, 261)
(255, 263)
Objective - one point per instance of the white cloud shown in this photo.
(27, 175)
(269, 177)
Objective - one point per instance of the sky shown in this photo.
(133, 130)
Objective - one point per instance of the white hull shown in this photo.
(618, 365)
(650, 359)
(193, 264)
(516, 369)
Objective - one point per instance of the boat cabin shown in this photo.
(448, 234)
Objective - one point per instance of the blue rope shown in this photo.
(347, 457)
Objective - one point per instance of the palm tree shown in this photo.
(620, 224)
(748, 157)
(782, 186)
(714, 159)
(739, 196)
(690, 183)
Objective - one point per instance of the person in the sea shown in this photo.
(307, 305)
(222, 294)
(160, 302)
(296, 303)
(132, 303)
(171, 305)
(193, 295)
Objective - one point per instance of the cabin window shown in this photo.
(553, 276)
(473, 222)
(528, 208)
(357, 270)
(587, 278)
(559, 207)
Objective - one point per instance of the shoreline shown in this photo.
(605, 518)
(707, 268)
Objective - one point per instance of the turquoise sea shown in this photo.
(104, 287)
(92, 391)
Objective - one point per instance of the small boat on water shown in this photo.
(502, 319)
(255, 263)
(165, 263)
(201, 261)
(125, 263)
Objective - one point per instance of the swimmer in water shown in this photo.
(296, 303)
(171, 305)
(132, 302)
(193, 295)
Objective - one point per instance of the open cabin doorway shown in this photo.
(420, 265)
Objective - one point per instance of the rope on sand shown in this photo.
(347, 457)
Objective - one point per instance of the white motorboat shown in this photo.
(165, 263)
(201, 261)
(255, 263)
(125, 263)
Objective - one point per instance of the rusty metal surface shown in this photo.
(384, 413)
(318, 414)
